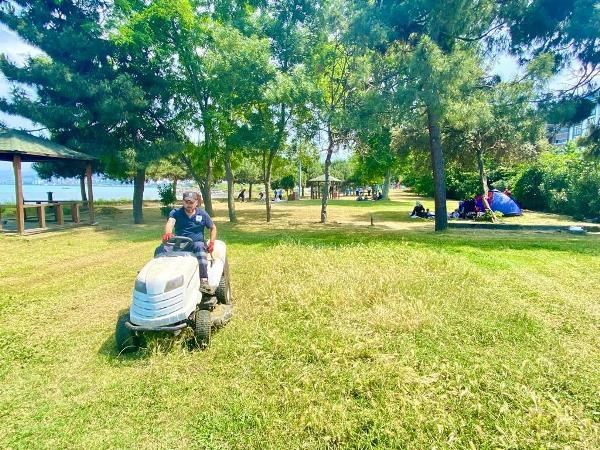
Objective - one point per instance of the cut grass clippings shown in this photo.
(344, 336)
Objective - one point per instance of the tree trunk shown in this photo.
(230, 187)
(386, 184)
(205, 187)
(175, 187)
(482, 175)
(138, 196)
(437, 164)
(327, 165)
(82, 188)
(83, 193)
(267, 178)
(272, 152)
(250, 191)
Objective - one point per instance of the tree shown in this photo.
(497, 124)
(90, 96)
(291, 26)
(340, 168)
(566, 30)
(242, 62)
(170, 168)
(337, 70)
(567, 34)
(434, 47)
(373, 122)
(287, 182)
(68, 77)
(248, 172)
(177, 33)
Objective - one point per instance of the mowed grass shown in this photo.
(345, 335)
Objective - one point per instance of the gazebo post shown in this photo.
(88, 175)
(19, 193)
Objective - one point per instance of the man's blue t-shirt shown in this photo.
(192, 227)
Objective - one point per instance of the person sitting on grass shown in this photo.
(418, 211)
(190, 221)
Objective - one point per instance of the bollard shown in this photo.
(371, 220)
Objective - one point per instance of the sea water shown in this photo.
(73, 192)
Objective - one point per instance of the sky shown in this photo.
(17, 50)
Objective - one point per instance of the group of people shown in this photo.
(277, 195)
(471, 208)
(362, 197)
(468, 209)
(420, 211)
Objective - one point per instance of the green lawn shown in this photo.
(344, 336)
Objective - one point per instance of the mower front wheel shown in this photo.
(125, 339)
(202, 327)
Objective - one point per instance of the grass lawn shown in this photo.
(345, 335)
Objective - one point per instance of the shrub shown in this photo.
(167, 198)
(561, 183)
(460, 185)
(529, 189)
(288, 182)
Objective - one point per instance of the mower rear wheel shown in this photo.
(125, 339)
(202, 327)
(223, 291)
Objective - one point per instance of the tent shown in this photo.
(503, 203)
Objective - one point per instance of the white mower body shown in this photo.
(167, 289)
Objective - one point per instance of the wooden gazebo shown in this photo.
(318, 183)
(18, 147)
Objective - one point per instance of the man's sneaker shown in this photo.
(204, 286)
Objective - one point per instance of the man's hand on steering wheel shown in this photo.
(211, 246)
(167, 236)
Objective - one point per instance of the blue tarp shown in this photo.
(503, 203)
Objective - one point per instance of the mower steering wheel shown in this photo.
(179, 243)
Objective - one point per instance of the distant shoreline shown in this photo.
(70, 192)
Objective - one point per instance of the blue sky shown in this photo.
(17, 50)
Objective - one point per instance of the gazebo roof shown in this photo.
(321, 179)
(34, 149)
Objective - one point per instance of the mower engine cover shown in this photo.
(166, 291)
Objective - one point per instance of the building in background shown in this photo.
(560, 135)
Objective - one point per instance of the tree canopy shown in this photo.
(249, 90)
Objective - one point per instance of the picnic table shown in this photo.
(40, 208)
